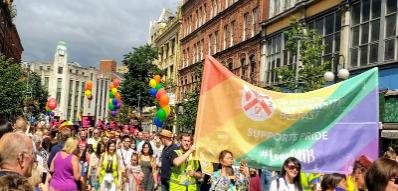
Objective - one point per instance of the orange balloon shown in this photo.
(89, 85)
(164, 100)
(157, 78)
(111, 86)
(117, 96)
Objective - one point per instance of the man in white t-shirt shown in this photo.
(95, 139)
(125, 152)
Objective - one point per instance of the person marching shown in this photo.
(184, 171)
(109, 170)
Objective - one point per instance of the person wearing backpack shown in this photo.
(290, 177)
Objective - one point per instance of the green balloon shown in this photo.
(111, 94)
(158, 86)
(111, 107)
(161, 114)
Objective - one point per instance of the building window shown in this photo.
(390, 39)
(243, 67)
(277, 6)
(273, 57)
(46, 82)
(210, 44)
(245, 25)
(200, 16)
(201, 49)
(59, 90)
(82, 97)
(232, 33)
(225, 37)
(60, 70)
(197, 19)
(230, 66)
(216, 40)
(68, 115)
(252, 59)
(329, 27)
(40, 67)
(366, 21)
(255, 20)
(226, 3)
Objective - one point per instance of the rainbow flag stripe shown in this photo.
(326, 129)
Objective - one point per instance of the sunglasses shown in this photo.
(395, 180)
(292, 167)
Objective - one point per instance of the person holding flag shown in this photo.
(184, 171)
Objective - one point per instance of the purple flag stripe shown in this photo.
(349, 138)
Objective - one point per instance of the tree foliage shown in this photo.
(310, 75)
(37, 95)
(16, 93)
(135, 89)
(12, 89)
(186, 120)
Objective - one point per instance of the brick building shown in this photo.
(227, 29)
(10, 44)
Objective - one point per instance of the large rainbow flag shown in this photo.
(326, 129)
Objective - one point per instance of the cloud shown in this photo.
(92, 29)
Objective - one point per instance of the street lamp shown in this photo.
(341, 73)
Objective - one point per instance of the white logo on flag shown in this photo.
(256, 106)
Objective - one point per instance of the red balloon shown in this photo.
(52, 103)
(160, 93)
(116, 82)
(164, 100)
(89, 85)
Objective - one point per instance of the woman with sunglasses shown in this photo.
(382, 175)
(290, 177)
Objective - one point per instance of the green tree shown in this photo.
(122, 116)
(36, 95)
(135, 88)
(310, 74)
(186, 119)
(12, 88)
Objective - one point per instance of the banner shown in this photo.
(326, 129)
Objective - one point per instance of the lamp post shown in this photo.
(341, 73)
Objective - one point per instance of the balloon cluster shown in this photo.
(50, 106)
(114, 97)
(88, 88)
(160, 93)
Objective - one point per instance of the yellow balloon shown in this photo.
(87, 93)
(114, 91)
(152, 83)
(111, 101)
(167, 109)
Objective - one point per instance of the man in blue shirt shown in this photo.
(165, 170)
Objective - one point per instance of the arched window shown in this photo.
(252, 59)
(243, 67)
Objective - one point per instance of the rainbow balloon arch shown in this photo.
(157, 90)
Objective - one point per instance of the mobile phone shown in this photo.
(44, 177)
(243, 163)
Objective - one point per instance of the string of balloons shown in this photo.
(161, 95)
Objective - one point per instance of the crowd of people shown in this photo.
(66, 158)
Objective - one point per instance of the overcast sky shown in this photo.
(92, 29)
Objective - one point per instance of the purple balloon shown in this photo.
(113, 113)
(52, 114)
